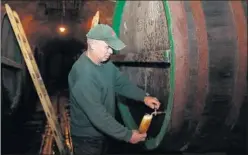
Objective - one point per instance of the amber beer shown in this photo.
(145, 123)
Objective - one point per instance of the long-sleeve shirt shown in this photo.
(92, 99)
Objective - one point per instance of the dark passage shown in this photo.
(55, 60)
(22, 130)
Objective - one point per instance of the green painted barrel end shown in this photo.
(152, 143)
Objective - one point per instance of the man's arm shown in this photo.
(88, 96)
(125, 87)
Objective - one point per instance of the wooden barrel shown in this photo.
(203, 88)
(13, 68)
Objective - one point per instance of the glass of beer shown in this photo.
(145, 123)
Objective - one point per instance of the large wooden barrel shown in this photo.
(13, 68)
(203, 88)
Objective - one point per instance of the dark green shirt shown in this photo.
(92, 98)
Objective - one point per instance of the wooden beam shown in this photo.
(10, 63)
(161, 56)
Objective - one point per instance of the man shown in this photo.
(93, 82)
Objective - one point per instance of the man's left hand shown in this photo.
(152, 102)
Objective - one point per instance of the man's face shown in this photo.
(102, 51)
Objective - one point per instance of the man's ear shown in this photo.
(91, 44)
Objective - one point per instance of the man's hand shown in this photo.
(152, 102)
(137, 137)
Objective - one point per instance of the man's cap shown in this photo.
(106, 33)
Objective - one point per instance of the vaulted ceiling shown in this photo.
(40, 18)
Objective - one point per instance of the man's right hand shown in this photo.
(137, 137)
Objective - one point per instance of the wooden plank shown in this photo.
(10, 63)
(145, 56)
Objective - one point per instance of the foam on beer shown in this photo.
(147, 117)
